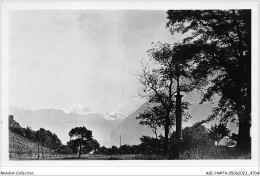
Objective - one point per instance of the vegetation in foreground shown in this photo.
(198, 143)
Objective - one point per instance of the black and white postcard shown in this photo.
(165, 85)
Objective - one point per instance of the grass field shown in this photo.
(124, 157)
(21, 148)
(95, 157)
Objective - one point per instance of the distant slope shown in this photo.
(61, 123)
(131, 131)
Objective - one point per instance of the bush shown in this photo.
(18, 130)
(129, 149)
(151, 145)
(29, 134)
(64, 150)
(195, 143)
(196, 137)
(101, 150)
(73, 147)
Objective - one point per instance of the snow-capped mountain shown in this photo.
(82, 110)
(113, 116)
(117, 115)
(77, 109)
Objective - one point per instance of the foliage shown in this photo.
(218, 132)
(63, 149)
(151, 145)
(45, 137)
(55, 142)
(112, 150)
(101, 150)
(218, 47)
(154, 118)
(73, 146)
(234, 136)
(29, 133)
(40, 135)
(159, 79)
(210, 152)
(20, 146)
(92, 145)
(196, 136)
(80, 137)
(129, 149)
(19, 131)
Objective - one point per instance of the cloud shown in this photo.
(77, 109)
(82, 110)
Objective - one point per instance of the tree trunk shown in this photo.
(79, 150)
(38, 150)
(42, 152)
(166, 135)
(155, 132)
(166, 140)
(244, 139)
(217, 146)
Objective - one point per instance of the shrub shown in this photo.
(64, 150)
(18, 130)
(195, 143)
(195, 137)
(151, 145)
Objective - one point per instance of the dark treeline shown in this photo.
(199, 142)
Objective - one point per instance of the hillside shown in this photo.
(131, 131)
(24, 142)
(22, 147)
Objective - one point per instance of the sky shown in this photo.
(90, 57)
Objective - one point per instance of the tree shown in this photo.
(40, 136)
(55, 141)
(95, 145)
(152, 117)
(126, 149)
(218, 132)
(90, 146)
(63, 149)
(151, 145)
(218, 45)
(73, 146)
(80, 136)
(195, 136)
(102, 150)
(29, 133)
(234, 136)
(158, 80)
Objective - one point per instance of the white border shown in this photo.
(181, 166)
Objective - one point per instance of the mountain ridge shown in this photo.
(107, 132)
(61, 123)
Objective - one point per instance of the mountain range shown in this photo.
(61, 122)
(106, 128)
